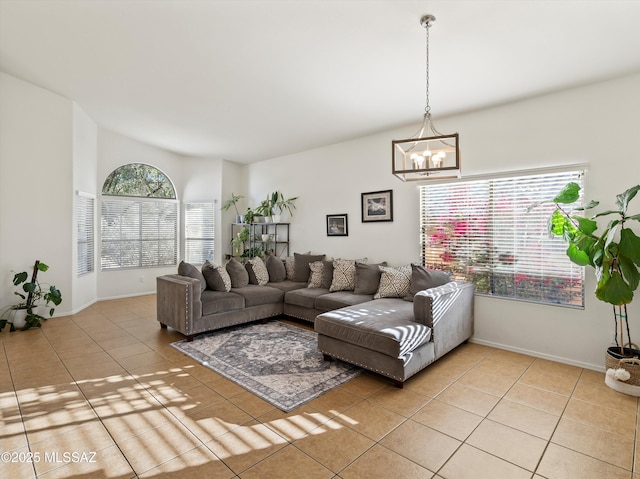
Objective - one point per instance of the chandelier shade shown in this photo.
(428, 154)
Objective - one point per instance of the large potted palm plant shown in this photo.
(613, 251)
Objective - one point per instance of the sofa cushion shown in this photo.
(276, 269)
(423, 278)
(187, 269)
(305, 297)
(367, 278)
(302, 262)
(394, 282)
(237, 273)
(220, 301)
(287, 285)
(344, 274)
(216, 277)
(340, 299)
(255, 295)
(257, 270)
(382, 325)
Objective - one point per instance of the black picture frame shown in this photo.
(377, 206)
(337, 225)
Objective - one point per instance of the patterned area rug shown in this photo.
(276, 361)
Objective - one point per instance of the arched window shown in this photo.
(137, 179)
(139, 221)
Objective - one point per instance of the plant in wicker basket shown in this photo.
(613, 252)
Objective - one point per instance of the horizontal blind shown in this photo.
(481, 232)
(138, 233)
(85, 206)
(198, 232)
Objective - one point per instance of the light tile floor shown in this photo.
(102, 394)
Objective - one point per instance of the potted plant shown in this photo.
(239, 241)
(282, 205)
(24, 315)
(233, 201)
(249, 216)
(265, 208)
(613, 252)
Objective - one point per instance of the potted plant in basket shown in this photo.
(25, 314)
(614, 253)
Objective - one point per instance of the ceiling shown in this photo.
(253, 80)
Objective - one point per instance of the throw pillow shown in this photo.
(187, 269)
(216, 277)
(290, 267)
(394, 282)
(257, 270)
(344, 274)
(367, 278)
(321, 274)
(423, 278)
(315, 276)
(237, 273)
(302, 262)
(276, 269)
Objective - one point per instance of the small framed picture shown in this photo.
(377, 206)
(337, 225)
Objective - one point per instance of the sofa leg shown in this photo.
(189, 338)
(326, 357)
(163, 326)
(398, 384)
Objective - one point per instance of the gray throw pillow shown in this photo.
(276, 269)
(216, 277)
(187, 269)
(237, 273)
(368, 278)
(423, 278)
(302, 269)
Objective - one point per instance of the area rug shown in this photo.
(276, 361)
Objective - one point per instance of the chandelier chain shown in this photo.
(427, 108)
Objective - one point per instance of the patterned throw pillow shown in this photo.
(258, 273)
(216, 277)
(344, 274)
(317, 273)
(394, 282)
(290, 267)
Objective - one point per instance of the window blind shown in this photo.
(481, 232)
(85, 234)
(198, 232)
(139, 233)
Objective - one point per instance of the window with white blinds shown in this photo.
(138, 233)
(481, 232)
(198, 232)
(85, 229)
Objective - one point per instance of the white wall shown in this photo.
(36, 186)
(85, 164)
(596, 124)
(195, 179)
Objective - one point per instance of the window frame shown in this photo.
(483, 238)
(85, 222)
(211, 205)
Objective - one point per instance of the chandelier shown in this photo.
(428, 154)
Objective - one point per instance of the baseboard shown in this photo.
(124, 296)
(594, 367)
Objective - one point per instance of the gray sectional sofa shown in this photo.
(393, 321)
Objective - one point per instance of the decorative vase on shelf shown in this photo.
(277, 218)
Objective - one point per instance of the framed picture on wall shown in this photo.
(337, 225)
(377, 206)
